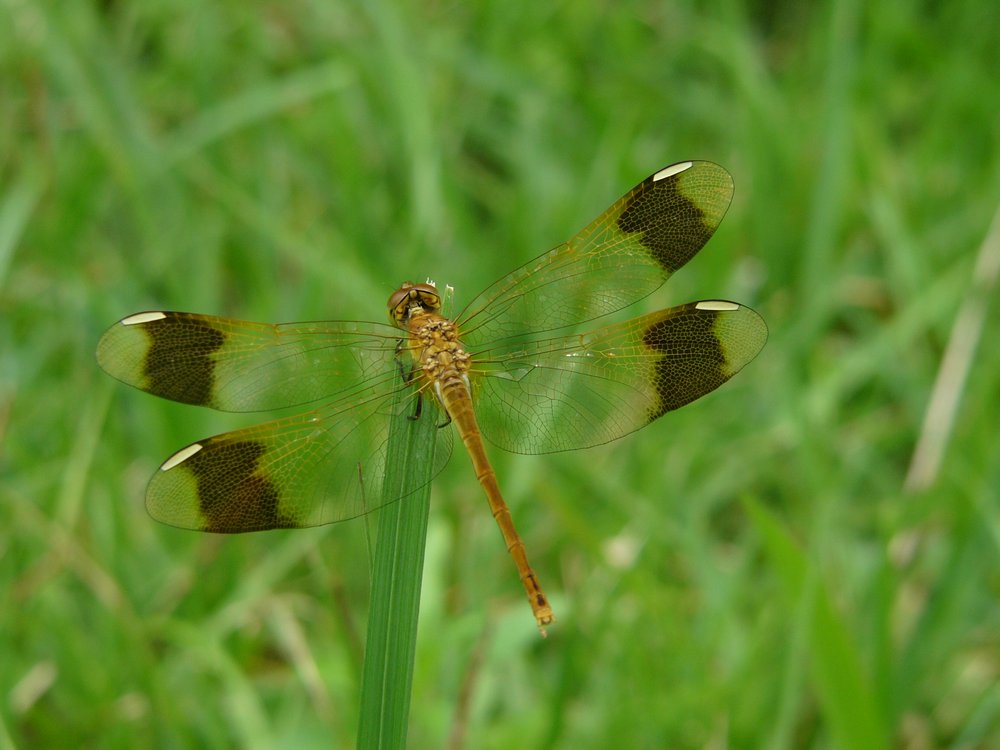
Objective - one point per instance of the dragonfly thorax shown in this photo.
(411, 299)
(441, 356)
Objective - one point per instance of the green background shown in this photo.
(778, 565)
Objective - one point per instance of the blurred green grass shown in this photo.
(747, 572)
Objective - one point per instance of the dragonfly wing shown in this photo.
(235, 365)
(587, 389)
(622, 256)
(323, 466)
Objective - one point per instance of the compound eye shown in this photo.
(399, 301)
(399, 295)
(428, 296)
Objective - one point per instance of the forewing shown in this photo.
(236, 365)
(587, 389)
(622, 256)
(315, 468)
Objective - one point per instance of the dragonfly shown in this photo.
(516, 366)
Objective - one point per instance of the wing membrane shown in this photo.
(586, 389)
(235, 365)
(323, 466)
(622, 256)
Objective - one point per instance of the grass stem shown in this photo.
(387, 674)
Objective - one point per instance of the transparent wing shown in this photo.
(323, 466)
(622, 256)
(236, 365)
(585, 389)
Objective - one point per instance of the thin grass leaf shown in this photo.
(395, 597)
(843, 688)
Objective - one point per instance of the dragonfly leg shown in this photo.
(419, 410)
(408, 377)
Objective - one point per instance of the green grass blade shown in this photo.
(395, 598)
(843, 687)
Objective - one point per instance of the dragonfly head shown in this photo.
(410, 298)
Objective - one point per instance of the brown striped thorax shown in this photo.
(516, 366)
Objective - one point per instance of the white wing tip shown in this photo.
(717, 305)
(143, 317)
(181, 456)
(672, 170)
